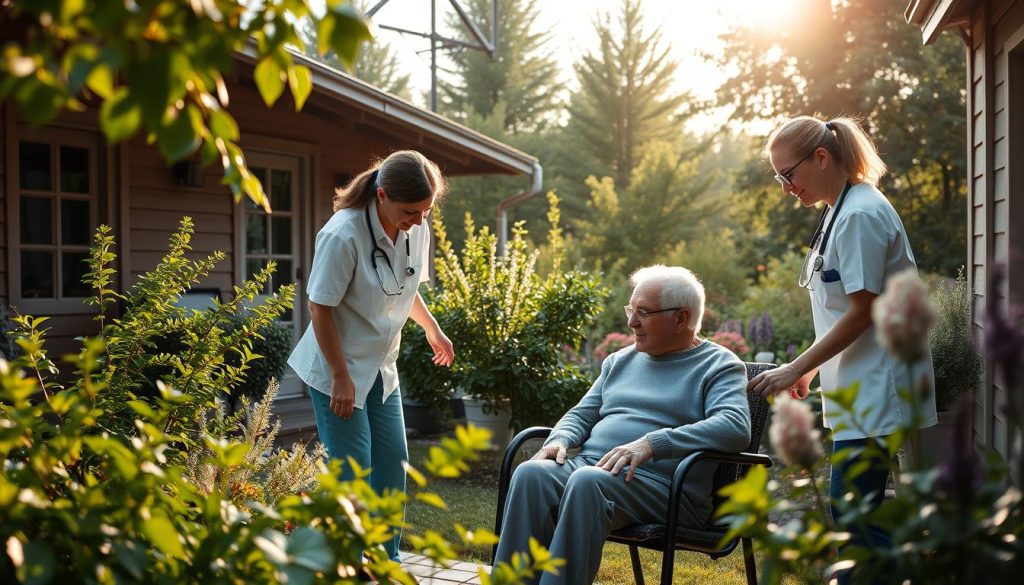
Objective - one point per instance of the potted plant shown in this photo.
(509, 326)
(957, 365)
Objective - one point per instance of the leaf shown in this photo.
(177, 139)
(223, 125)
(414, 474)
(308, 548)
(38, 565)
(300, 80)
(346, 31)
(268, 80)
(120, 116)
(432, 499)
(162, 533)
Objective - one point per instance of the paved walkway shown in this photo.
(427, 573)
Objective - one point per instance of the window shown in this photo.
(57, 210)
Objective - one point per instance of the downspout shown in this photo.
(508, 203)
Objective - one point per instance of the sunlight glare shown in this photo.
(766, 14)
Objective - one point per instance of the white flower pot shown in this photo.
(765, 357)
(498, 423)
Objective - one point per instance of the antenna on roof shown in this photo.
(437, 41)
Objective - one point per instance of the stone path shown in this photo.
(427, 573)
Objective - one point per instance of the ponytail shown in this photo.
(842, 137)
(406, 176)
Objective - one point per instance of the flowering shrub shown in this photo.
(612, 343)
(734, 342)
(760, 331)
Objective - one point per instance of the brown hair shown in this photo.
(406, 176)
(842, 137)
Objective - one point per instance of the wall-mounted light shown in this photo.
(188, 173)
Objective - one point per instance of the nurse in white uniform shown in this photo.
(369, 260)
(859, 242)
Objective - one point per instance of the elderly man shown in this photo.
(654, 403)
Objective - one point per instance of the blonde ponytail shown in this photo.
(842, 137)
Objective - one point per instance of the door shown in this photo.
(275, 237)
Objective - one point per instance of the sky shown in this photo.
(690, 27)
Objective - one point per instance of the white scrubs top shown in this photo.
(369, 321)
(868, 244)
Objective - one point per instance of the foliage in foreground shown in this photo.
(132, 474)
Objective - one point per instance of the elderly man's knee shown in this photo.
(591, 477)
(534, 473)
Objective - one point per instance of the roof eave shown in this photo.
(331, 81)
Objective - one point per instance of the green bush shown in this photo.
(180, 492)
(508, 325)
(272, 344)
(8, 350)
(954, 357)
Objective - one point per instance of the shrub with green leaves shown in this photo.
(789, 306)
(508, 325)
(271, 344)
(181, 493)
(954, 357)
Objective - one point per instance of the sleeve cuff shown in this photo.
(661, 445)
(324, 299)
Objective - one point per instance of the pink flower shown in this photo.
(793, 434)
(732, 341)
(903, 315)
(612, 343)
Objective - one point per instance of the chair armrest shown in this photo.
(505, 475)
(684, 467)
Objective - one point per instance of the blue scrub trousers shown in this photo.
(374, 437)
(869, 485)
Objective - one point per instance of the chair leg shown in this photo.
(748, 561)
(638, 571)
(668, 561)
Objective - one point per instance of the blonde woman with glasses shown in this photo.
(368, 262)
(858, 243)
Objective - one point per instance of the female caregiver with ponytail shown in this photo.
(368, 262)
(859, 242)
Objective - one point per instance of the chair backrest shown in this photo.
(728, 473)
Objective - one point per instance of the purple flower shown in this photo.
(791, 350)
(1004, 341)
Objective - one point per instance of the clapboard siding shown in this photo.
(996, 158)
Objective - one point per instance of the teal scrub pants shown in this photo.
(374, 437)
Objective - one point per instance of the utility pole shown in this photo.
(439, 42)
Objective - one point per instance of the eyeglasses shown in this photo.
(786, 178)
(642, 315)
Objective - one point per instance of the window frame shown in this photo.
(55, 137)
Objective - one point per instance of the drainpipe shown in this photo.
(508, 203)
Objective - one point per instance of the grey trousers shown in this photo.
(589, 502)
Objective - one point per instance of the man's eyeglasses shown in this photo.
(785, 178)
(642, 315)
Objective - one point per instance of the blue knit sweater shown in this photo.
(681, 402)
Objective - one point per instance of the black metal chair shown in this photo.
(732, 466)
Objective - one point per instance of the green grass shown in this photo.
(472, 500)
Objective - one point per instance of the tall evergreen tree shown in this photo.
(859, 57)
(625, 98)
(513, 98)
(523, 75)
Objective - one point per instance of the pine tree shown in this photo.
(625, 98)
(523, 75)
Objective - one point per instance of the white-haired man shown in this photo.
(655, 402)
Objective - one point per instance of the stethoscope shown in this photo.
(409, 270)
(819, 261)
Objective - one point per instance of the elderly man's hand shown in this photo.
(633, 454)
(554, 451)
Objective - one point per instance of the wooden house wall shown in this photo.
(995, 165)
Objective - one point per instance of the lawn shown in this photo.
(472, 500)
